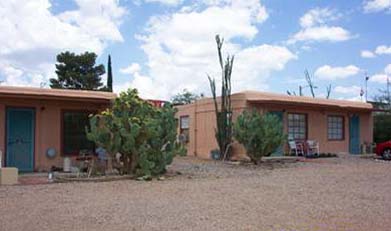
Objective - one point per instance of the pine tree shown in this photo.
(77, 71)
(109, 76)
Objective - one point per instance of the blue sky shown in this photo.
(164, 46)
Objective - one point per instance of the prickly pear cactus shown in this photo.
(145, 135)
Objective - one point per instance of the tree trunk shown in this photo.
(109, 166)
(133, 162)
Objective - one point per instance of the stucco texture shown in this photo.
(48, 119)
(202, 120)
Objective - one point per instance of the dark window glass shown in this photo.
(74, 133)
(297, 126)
(335, 127)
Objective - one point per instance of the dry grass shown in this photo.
(327, 194)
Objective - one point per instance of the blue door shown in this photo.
(354, 134)
(20, 138)
(280, 115)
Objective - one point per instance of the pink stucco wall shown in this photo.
(202, 125)
(47, 125)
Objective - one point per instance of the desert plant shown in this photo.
(223, 130)
(143, 134)
(382, 124)
(260, 134)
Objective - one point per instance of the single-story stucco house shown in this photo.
(36, 120)
(339, 126)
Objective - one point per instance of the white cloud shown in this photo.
(378, 78)
(377, 5)
(322, 33)
(383, 50)
(180, 55)
(131, 69)
(98, 18)
(314, 27)
(318, 16)
(382, 77)
(167, 2)
(348, 90)
(144, 84)
(357, 98)
(18, 77)
(32, 35)
(367, 54)
(333, 73)
(387, 70)
(380, 50)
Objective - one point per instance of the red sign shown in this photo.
(156, 103)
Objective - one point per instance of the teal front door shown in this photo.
(354, 134)
(280, 115)
(20, 138)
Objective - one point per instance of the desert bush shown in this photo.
(143, 134)
(382, 127)
(260, 134)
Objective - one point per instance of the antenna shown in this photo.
(366, 86)
(42, 84)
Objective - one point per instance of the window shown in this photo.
(184, 124)
(297, 126)
(74, 136)
(335, 127)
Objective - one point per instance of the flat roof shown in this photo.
(59, 94)
(281, 99)
(264, 97)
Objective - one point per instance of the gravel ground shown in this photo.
(322, 194)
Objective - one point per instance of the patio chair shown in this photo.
(312, 147)
(295, 148)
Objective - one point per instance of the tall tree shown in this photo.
(78, 72)
(109, 76)
(382, 119)
(224, 113)
(383, 99)
(185, 97)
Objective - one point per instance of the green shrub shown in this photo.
(143, 134)
(382, 127)
(260, 134)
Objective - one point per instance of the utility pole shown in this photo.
(366, 86)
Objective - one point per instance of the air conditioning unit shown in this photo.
(183, 138)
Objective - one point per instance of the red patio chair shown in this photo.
(296, 147)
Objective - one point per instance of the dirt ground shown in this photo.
(343, 193)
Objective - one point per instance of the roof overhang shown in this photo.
(313, 104)
(56, 94)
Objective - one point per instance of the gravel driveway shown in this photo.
(324, 194)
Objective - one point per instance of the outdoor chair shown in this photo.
(312, 147)
(295, 148)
